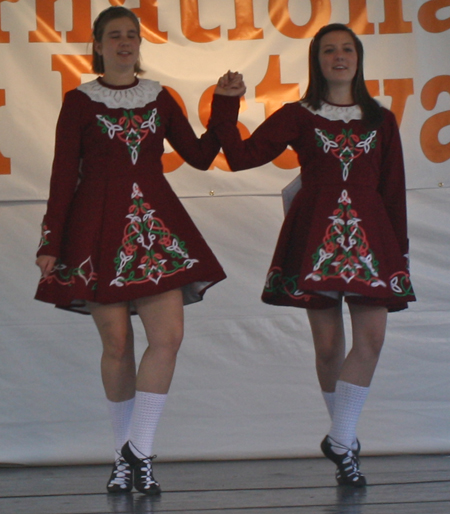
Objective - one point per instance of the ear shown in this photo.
(98, 47)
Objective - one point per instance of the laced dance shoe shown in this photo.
(121, 479)
(144, 481)
(348, 472)
(356, 451)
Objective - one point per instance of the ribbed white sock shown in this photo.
(147, 411)
(348, 403)
(120, 414)
(329, 402)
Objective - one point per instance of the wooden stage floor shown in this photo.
(406, 484)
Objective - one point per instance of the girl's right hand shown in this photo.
(46, 263)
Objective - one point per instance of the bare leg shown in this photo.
(369, 328)
(348, 376)
(327, 329)
(162, 317)
(118, 371)
(118, 366)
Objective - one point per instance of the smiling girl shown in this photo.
(117, 241)
(345, 234)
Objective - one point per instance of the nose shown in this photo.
(123, 39)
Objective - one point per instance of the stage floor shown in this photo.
(406, 484)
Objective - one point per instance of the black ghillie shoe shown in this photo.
(356, 451)
(348, 472)
(144, 481)
(121, 479)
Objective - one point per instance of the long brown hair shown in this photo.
(111, 13)
(318, 87)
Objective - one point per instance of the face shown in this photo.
(120, 45)
(338, 58)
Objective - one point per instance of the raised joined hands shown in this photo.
(231, 84)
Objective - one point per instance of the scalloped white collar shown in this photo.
(333, 112)
(139, 95)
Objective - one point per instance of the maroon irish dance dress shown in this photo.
(117, 228)
(346, 229)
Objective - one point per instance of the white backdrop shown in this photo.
(245, 383)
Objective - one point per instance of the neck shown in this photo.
(340, 95)
(119, 79)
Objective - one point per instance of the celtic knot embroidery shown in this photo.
(401, 284)
(68, 276)
(131, 129)
(149, 251)
(44, 236)
(346, 146)
(345, 252)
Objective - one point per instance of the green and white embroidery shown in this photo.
(149, 251)
(131, 129)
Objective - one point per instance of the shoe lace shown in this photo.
(121, 471)
(147, 472)
(350, 463)
(350, 467)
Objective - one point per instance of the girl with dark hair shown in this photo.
(117, 241)
(345, 233)
(317, 90)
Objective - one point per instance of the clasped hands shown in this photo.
(231, 84)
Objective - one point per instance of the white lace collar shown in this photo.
(139, 95)
(332, 112)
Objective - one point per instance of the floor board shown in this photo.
(407, 484)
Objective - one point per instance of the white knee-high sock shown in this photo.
(329, 402)
(348, 403)
(120, 414)
(147, 410)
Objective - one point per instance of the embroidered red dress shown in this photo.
(117, 228)
(346, 229)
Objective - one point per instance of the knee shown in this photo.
(167, 341)
(174, 340)
(329, 354)
(117, 346)
(370, 348)
(375, 346)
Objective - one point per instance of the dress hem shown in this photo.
(192, 293)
